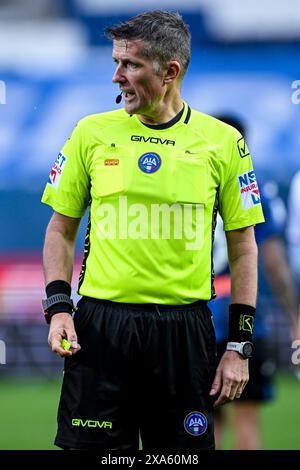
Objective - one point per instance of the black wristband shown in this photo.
(58, 287)
(241, 322)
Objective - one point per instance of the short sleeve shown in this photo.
(68, 187)
(239, 197)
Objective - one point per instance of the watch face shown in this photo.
(248, 349)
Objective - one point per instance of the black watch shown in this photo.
(56, 299)
(245, 349)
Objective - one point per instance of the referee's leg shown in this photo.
(97, 403)
(177, 411)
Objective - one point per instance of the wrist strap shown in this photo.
(58, 299)
(241, 323)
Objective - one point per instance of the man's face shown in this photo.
(142, 86)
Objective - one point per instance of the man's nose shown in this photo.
(118, 76)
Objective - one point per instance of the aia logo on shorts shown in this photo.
(149, 162)
(195, 423)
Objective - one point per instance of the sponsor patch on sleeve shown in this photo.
(242, 148)
(249, 191)
(57, 170)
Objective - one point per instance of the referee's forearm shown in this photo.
(244, 280)
(242, 256)
(58, 257)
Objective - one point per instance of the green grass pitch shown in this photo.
(28, 415)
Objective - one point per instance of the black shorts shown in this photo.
(142, 369)
(261, 373)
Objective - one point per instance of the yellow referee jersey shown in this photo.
(153, 192)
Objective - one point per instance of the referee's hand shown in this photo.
(62, 327)
(231, 378)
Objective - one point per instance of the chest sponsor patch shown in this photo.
(249, 191)
(149, 162)
(57, 170)
(111, 162)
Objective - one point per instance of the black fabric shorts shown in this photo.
(262, 367)
(142, 369)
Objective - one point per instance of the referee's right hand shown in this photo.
(62, 327)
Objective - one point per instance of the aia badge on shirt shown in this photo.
(57, 169)
(149, 162)
(249, 191)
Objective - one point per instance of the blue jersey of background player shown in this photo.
(219, 306)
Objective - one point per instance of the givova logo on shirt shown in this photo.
(249, 191)
(57, 169)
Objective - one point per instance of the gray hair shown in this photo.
(164, 34)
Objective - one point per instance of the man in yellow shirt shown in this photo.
(153, 175)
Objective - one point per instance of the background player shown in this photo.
(293, 225)
(274, 265)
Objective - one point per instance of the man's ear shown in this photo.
(172, 71)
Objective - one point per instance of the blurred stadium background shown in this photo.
(56, 67)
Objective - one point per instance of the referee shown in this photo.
(153, 175)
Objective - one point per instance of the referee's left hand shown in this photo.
(231, 378)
